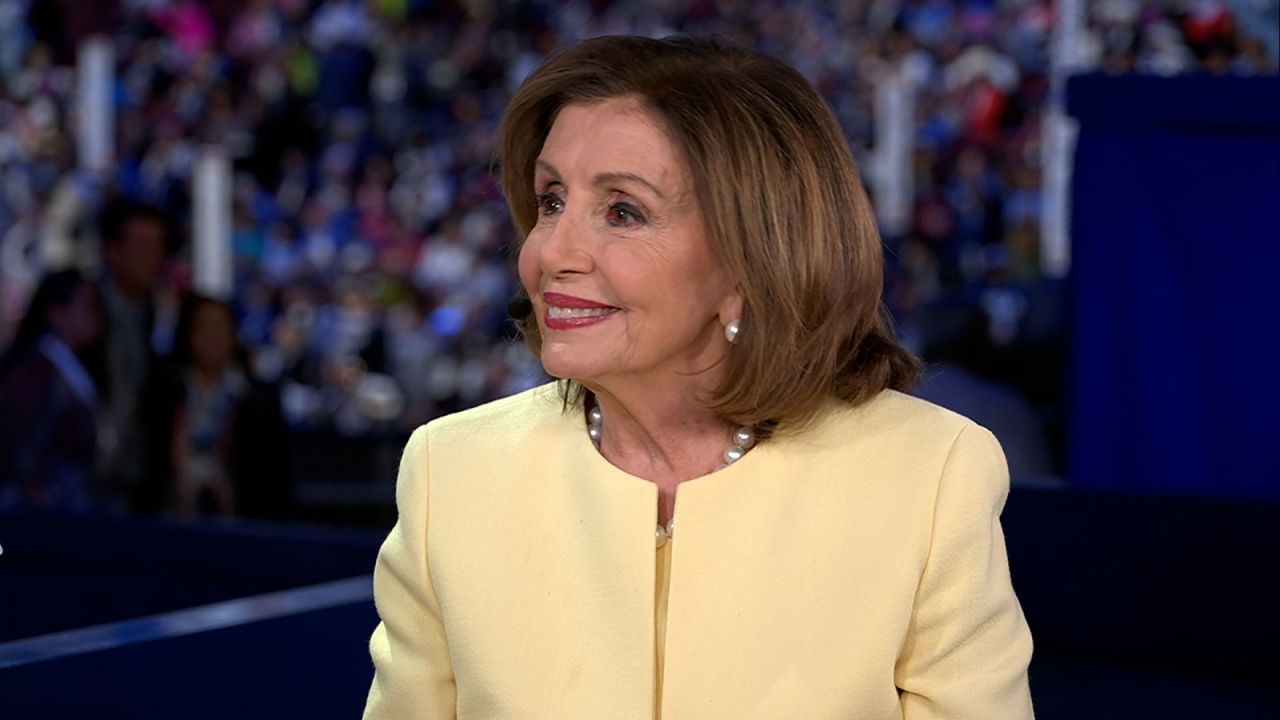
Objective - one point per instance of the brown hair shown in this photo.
(784, 205)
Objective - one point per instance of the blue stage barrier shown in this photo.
(144, 618)
(59, 572)
(1175, 250)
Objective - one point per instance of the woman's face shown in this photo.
(79, 321)
(213, 338)
(624, 283)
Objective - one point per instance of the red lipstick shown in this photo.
(569, 312)
(570, 301)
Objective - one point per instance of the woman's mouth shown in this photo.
(564, 313)
(567, 312)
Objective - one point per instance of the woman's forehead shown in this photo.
(617, 137)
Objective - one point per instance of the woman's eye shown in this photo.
(549, 204)
(624, 215)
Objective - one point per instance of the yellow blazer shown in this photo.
(854, 571)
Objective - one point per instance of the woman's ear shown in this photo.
(730, 309)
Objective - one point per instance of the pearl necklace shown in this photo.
(744, 438)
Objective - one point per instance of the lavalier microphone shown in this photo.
(520, 308)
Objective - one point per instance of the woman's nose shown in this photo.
(566, 248)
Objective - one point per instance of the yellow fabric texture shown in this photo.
(853, 570)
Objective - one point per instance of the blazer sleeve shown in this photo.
(413, 675)
(968, 647)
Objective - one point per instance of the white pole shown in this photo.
(892, 178)
(95, 72)
(211, 224)
(1066, 56)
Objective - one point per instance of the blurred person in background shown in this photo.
(48, 402)
(135, 240)
(701, 268)
(216, 442)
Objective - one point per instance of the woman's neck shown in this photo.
(663, 437)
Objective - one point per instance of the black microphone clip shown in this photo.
(520, 308)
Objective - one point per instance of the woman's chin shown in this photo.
(564, 371)
(575, 367)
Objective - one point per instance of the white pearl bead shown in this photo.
(661, 535)
(744, 438)
(731, 331)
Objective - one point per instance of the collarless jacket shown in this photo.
(854, 570)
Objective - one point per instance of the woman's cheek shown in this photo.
(527, 265)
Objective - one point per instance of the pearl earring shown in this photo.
(731, 332)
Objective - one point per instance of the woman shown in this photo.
(214, 433)
(704, 275)
(48, 428)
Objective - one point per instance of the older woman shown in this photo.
(704, 274)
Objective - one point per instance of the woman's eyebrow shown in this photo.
(616, 177)
(546, 166)
(604, 179)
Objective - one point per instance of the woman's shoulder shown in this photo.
(895, 429)
(480, 451)
(900, 444)
(895, 414)
(511, 417)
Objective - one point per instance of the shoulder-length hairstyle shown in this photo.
(784, 206)
(56, 290)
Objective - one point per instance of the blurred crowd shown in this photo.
(371, 270)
